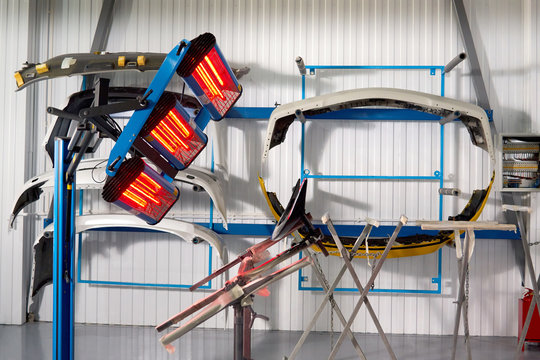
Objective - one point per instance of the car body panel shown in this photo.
(472, 116)
(91, 175)
(86, 64)
(94, 63)
(405, 246)
(43, 250)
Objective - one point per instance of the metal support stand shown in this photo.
(329, 293)
(363, 290)
(67, 156)
(529, 267)
(244, 316)
(347, 257)
(63, 256)
(64, 221)
(238, 331)
(463, 263)
(463, 268)
(246, 349)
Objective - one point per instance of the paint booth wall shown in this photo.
(266, 36)
(14, 247)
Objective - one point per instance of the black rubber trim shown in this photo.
(43, 260)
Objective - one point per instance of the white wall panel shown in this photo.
(14, 34)
(267, 36)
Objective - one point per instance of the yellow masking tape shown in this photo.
(19, 79)
(42, 68)
(121, 61)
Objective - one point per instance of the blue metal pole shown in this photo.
(303, 143)
(63, 256)
(71, 266)
(441, 168)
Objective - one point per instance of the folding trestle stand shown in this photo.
(520, 210)
(347, 257)
(463, 255)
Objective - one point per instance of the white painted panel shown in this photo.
(266, 36)
(14, 35)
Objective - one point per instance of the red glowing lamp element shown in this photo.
(140, 190)
(170, 130)
(207, 73)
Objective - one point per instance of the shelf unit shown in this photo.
(519, 160)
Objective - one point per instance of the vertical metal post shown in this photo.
(303, 139)
(238, 331)
(469, 236)
(246, 348)
(63, 256)
(529, 266)
(101, 36)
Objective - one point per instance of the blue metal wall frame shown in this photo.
(139, 284)
(142, 284)
(438, 175)
(208, 285)
(263, 113)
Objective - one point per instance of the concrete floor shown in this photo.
(33, 341)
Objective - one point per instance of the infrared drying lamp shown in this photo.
(167, 127)
(208, 75)
(170, 131)
(140, 190)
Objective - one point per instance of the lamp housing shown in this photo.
(206, 72)
(139, 189)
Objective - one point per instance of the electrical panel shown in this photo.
(519, 162)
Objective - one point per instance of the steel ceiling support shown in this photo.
(476, 71)
(101, 36)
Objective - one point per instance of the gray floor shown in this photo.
(33, 341)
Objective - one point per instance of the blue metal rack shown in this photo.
(208, 286)
(140, 284)
(64, 286)
(382, 114)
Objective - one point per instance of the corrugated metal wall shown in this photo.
(266, 36)
(14, 36)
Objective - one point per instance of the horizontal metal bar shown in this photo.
(241, 229)
(250, 112)
(372, 177)
(351, 230)
(138, 284)
(367, 114)
(343, 230)
(352, 289)
(381, 67)
(373, 114)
